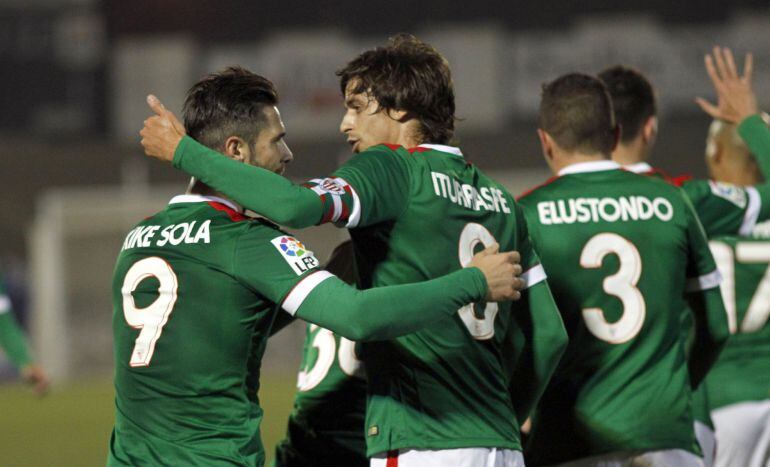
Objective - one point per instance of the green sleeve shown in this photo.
(380, 178)
(257, 189)
(539, 327)
(12, 341)
(544, 342)
(705, 299)
(387, 312)
(271, 262)
(711, 332)
(755, 133)
(727, 209)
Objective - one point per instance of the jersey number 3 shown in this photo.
(152, 318)
(622, 284)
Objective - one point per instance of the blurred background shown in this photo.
(73, 82)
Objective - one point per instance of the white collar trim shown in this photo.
(443, 148)
(639, 168)
(203, 199)
(590, 166)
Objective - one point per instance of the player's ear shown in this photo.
(236, 148)
(650, 129)
(399, 115)
(546, 144)
(616, 132)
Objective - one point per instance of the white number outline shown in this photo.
(152, 318)
(622, 285)
(758, 310)
(471, 236)
(327, 348)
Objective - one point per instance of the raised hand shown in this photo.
(735, 96)
(162, 132)
(502, 271)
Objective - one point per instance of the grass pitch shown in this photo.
(71, 425)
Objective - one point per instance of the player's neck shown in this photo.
(631, 153)
(566, 160)
(196, 187)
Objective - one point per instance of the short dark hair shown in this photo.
(407, 74)
(632, 97)
(228, 103)
(576, 110)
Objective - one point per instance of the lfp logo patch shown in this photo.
(730, 192)
(295, 253)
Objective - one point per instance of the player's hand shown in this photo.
(501, 271)
(735, 96)
(36, 377)
(162, 132)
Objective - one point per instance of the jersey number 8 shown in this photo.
(480, 328)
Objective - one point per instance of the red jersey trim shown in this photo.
(234, 215)
(531, 190)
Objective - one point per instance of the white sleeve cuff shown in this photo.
(704, 282)
(533, 275)
(302, 289)
(752, 212)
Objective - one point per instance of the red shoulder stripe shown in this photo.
(527, 192)
(234, 215)
(680, 180)
(394, 147)
(417, 149)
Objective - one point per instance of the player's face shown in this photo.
(271, 151)
(365, 124)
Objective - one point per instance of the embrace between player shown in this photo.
(423, 404)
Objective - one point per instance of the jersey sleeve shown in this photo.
(530, 261)
(273, 263)
(255, 188)
(756, 134)
(703, 279)
(726, 209)
(383, 313)
(379, 184)
(539, 335)
(702, 273)
(11, 336)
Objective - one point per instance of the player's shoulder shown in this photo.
(536, 192)
(700, 191)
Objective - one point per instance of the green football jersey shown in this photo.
(326, 427)
(415, 214)
(619, 249)
(742, 372)
(195, 291)
(12, 339)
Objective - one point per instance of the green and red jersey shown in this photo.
(621, 250)
(415, 214)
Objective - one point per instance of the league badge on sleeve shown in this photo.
(730, 192)
(295, 253)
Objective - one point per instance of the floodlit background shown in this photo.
(74, 76)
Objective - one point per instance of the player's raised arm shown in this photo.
(380, 193)
(540, 328)
(258, 189)
(711, 328)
